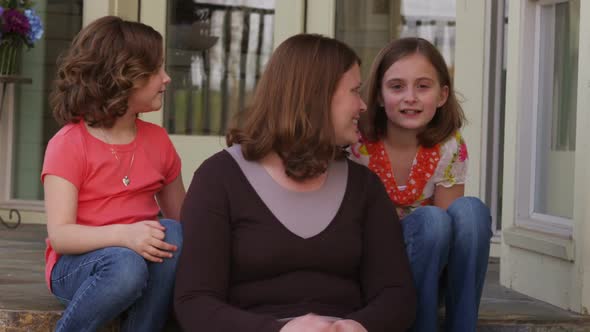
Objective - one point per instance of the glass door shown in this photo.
(215, 53)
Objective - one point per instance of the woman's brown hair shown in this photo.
(105, 62)
(290, 110)
(448, 118)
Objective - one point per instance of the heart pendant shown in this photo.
(126, 181)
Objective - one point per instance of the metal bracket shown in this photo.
(4, 81)
(16, 223)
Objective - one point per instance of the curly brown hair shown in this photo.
(105, 62)
(448, 118)
(290, 110)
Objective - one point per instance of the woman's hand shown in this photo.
(308, 323)
(346, 325)
(146, 238)
(313, 323)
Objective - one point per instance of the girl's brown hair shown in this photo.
(448, 118)
(105, 62)
(290, 110)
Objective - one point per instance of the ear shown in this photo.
(444, 95)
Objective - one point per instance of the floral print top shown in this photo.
(445, 164)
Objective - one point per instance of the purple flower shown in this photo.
(15, 22)
(36, 30)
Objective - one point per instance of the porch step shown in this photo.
(26, 305)
(533, 328)
(504, 310)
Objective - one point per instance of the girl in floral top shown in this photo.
(412, 141)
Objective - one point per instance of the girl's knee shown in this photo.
(471, 216)
(468, 206)
(431, 224)
(127, 269)
(173, 232)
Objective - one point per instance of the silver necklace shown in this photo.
(126, 180)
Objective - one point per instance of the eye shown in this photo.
(357, 90)
(424, 84)
(396, 87)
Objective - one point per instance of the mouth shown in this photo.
(410, 112)
(355, 123)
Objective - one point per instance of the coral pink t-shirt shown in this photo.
(89, 164)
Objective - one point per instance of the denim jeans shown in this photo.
(98, 286)
(448, 249)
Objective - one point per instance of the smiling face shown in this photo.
(411, 93)
(347, 106)
(148, 96)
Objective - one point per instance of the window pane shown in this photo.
(34, 124)
(565, 82)
(556, 126)
(367, 26)
(215, 53)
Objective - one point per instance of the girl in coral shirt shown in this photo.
(107, 174)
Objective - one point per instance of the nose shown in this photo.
(165, 78)
(411, 96)
(363, 105)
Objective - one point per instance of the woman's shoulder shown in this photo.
(361, 175)
(217, 163)
(219, 170)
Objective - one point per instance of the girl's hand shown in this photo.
(146, 238)
(347, 325)
(308, 323)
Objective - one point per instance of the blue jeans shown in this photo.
(99, 285)
(448, 249)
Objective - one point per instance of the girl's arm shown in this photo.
(67, 237)
(170, 198)
(444, 197)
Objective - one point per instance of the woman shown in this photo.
(281, 225)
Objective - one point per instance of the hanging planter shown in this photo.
(9, 57)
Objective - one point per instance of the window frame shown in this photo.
(541, 51)
(492, 132)
(7, 119)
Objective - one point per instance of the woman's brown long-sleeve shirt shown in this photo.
(241, 269)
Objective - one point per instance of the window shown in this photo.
(367, 26)
(216, 51)
(33, 124)
(547, 162)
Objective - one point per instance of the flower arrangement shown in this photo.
(19, 26)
